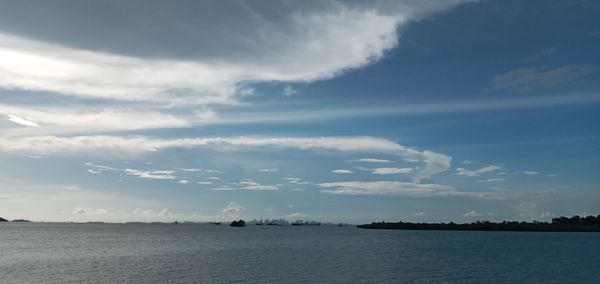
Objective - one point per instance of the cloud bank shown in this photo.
(432, 163)
(248, 43)
(407, 189)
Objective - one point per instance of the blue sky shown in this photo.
(343, 111)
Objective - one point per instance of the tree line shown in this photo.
(560, 224)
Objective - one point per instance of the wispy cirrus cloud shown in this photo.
(80, 210)
(529, 173)
(273, 170)
(371, 160)
(478, 172)
(26, 121)
(148, 174)
(491, 180)
(432, 162)
(391, 171)
(233, 208)
(531, 78)
(445, 107)
(472, 213)
(94, 119)
(252, 185)
(408, 189)
(162, 174)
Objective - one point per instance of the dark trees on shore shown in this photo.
(560, 224)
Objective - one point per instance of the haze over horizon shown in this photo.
(340, 111)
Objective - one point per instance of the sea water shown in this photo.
(198, 253)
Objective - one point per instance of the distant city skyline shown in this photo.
(334, 111)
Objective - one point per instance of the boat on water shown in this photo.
(215, 223)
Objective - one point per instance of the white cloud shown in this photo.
(91, 119)
(163, 174)
(530, 173)
(420, 214)
(100, 167)
(80, 210)
(478, 172)
(391, 188)
(342, 171)
(223, 188)
(320, 46)
(268, 170)
(252, 185)
(432, 163)
(491, 180)
(204, 182)
(289, 91)
(472, 214)
(296, 215)
(391, 171)
(304, 44)
(148, 174)
(150, 212)
(190, 170)
(233, 208)
(292, 179)
(296, 181)
(33, 156)
(369, 160)
(261, 187)
(194, 170)
(26, 121)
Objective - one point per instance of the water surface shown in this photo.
(159, 253)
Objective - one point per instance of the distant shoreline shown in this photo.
(562, 224)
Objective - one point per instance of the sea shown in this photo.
(203, 253)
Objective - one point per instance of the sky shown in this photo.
(337, 111)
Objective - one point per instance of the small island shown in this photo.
(560, 224)
(240, 223)
(15, 220)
